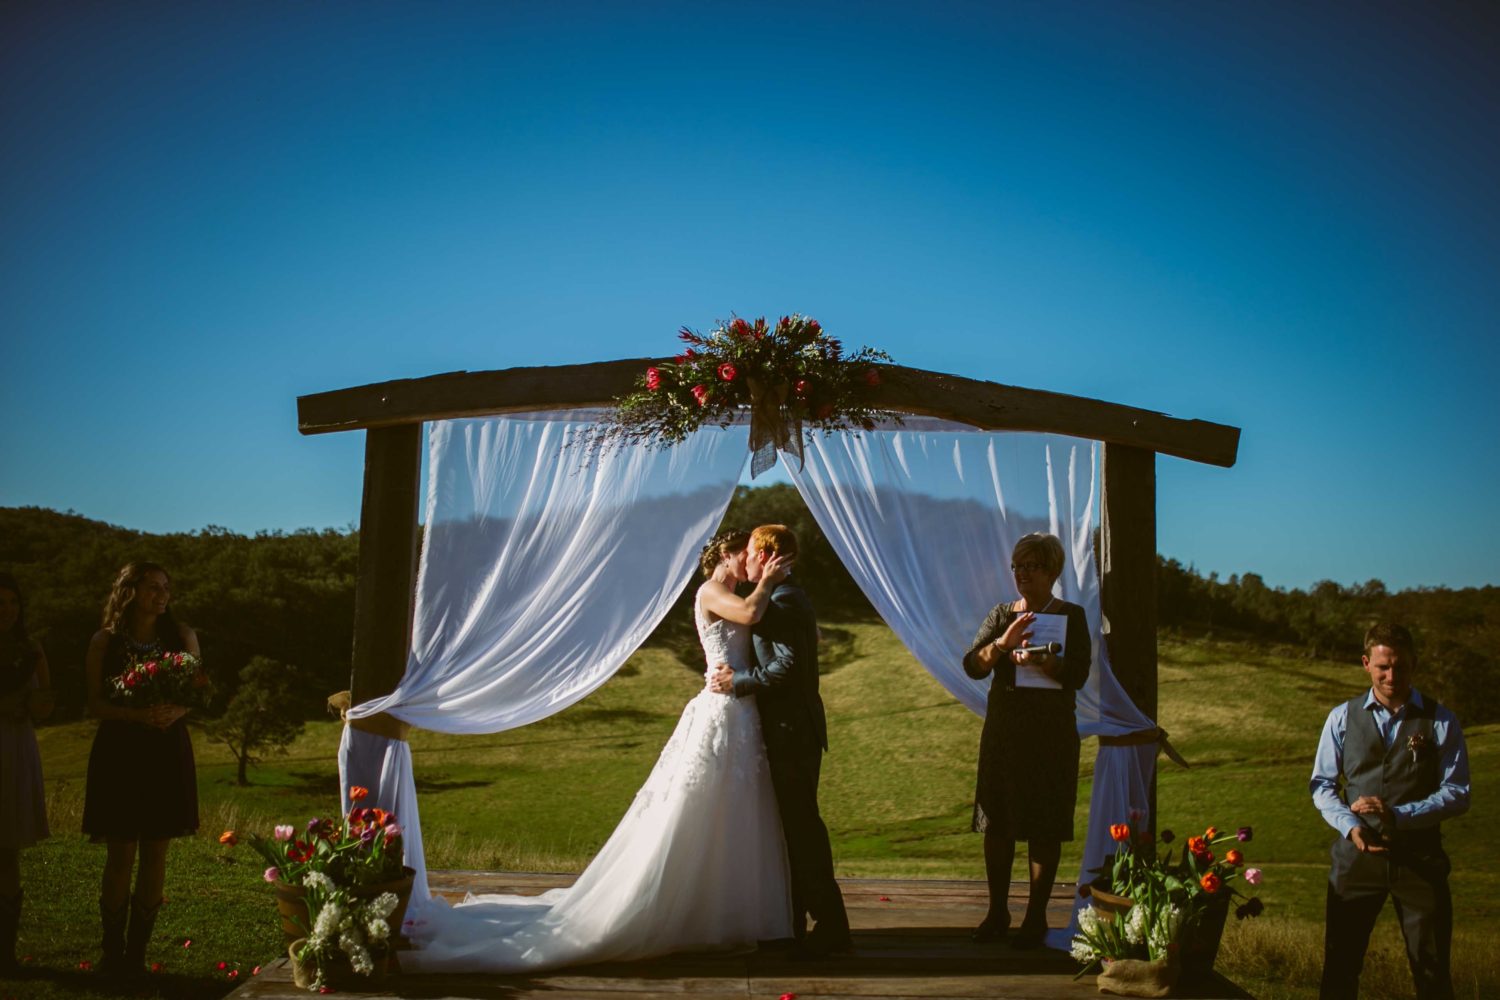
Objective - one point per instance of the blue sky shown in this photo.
(1281, 217)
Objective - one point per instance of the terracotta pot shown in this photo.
(1104, 901)
(291, 903)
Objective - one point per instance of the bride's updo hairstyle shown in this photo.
(720, 546)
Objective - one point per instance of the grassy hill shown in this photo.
(897, 791)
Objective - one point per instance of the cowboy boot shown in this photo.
(112, 962)
(10, 923)
(142, 919)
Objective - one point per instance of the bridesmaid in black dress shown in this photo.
(1028, 749)
(142, 787)
(25, 694)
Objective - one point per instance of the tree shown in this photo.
(264, 716)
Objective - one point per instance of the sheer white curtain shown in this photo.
(544, 565)
(925, 517)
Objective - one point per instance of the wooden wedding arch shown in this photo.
(392, 414)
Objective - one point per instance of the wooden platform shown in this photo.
(911, 940)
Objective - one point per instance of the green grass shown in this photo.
(897, 793)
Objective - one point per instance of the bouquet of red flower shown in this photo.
(163, 679)
(788, 374)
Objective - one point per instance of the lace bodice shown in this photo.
(723, 641)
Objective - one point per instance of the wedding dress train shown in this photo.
(697, 863)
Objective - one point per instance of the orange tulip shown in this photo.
(1210, 883)
(1197, 845)
(1234, 857)
(1120, 831)
(1210, 833)
(357, 792)
(228, 838)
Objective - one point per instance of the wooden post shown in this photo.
(385, 589)
(1128, 581)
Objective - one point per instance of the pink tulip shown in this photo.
(1253, 876)
(271, 874)
(285, 832)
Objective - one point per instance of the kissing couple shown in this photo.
(723, 846)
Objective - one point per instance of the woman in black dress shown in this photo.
(1028, 749)
(142, 787)
(25, 694)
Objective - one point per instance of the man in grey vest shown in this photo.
(1404, 769)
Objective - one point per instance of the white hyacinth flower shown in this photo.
(1082, 951)
(378, 929)
(329, 917)
(383, 905)
(1088, 920)
(360, 961)
(318, 880)
(1135, 925)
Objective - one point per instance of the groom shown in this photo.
(784, 681)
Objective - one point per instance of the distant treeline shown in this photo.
(290, 597)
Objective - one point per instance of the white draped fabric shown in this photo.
(545, 566)
(545, 563)
(925, 518)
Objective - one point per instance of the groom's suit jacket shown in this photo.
(784, 678)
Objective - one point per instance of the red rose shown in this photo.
(131, 680)
(800, 388)
(700, 393)
(739, 327)
(813, 327)
(727, 372)
(151, 668)
(1210, 883)
(653, 379)
(872, 377)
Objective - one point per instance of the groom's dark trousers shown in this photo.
(784, 680)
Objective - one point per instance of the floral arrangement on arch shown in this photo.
(162, 679)
(1167, 896)
(343, 869)
(790, 375)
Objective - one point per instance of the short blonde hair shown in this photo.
(1043, 548)
(774, 538)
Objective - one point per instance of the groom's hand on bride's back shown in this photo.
(722, 680)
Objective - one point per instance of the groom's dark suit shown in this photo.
(784, 681)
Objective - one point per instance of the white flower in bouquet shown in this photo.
(329, 918)
(1088, 920)
(1082, 950)
(383, 905)
(318, 880)
(377, 929)
(1135, 925)
(361, 962)
(1164, 931)
(351, 940)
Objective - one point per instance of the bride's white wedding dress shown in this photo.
(698, 862)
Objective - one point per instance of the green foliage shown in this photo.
(262, 717)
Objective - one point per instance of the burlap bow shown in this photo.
(773, 427)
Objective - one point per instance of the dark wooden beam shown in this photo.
(1128, 574)
(385, 588)
(987, 405)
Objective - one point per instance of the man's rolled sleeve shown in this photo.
(1452, 795)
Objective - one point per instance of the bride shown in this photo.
(697, 863)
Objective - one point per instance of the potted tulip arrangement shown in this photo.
(1157, 911)
(341, 889)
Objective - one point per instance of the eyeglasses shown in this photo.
(1026, 567)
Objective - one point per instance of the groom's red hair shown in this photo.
(774, 538)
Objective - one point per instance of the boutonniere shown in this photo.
(1418, 744)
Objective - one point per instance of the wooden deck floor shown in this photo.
(911, 940)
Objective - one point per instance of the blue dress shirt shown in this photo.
(1452, 795)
